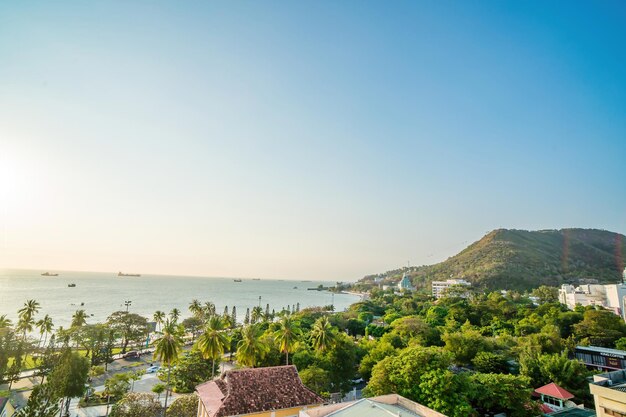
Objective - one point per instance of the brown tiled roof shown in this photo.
(254, 390)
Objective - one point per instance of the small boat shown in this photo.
(121, 274)
(295, 288)
(48, 274)
(72, 285)
(237, 280)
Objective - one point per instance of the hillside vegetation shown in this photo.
(521, 259)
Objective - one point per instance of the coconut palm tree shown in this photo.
(287, 335)
(25, 325)
(209, 309)
(31, 307)
(4, 321)
(174, 315)
(26, 316)
(159, 317)
(167, 350)
(195, 308)
(250, 347)
(79, 318)
(213, 341)
(322, 334)
(257, 314)
(45, 326)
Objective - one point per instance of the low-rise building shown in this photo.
(554, 398)
(609, 393)
(6, 408)
(439, 288)
(601, 358)
(275, 391)
(382, 406)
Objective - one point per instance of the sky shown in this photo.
(308, 139)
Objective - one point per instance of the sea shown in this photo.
(101, 293)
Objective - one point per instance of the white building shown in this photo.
(610, 296)
(439, 287)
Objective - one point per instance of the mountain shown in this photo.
(521, 260)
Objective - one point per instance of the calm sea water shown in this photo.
(103, 293)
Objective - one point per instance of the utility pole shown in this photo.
(127, 304)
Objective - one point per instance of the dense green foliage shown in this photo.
(484, 354)
(184, 406)
(191, 370)
(136, 404)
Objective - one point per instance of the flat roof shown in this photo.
(602, 350)
(369, 408)
(574, 412)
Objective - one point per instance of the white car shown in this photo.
(152, 369)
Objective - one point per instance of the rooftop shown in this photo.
(574, 412)
(553, 390)
(391, 405)
(3, 401)
(246, 391)
(614, 380)
(603, 350)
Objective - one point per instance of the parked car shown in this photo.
(133, 354)
(152, 369)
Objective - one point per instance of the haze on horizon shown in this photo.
(315, 140)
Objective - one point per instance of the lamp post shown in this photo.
(108, 402)
(127, 304)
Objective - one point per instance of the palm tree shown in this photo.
(25, 325)
(45, 326)
(31, 307)
(322, 334)
(287, 335)
(4, 321)
(257, 314)
(209, 309)
(174, 314)
(250, 347)
(79, 318)
(167, 350)
(159, 317)
(26, 314)
(195, 308)
(213, 341)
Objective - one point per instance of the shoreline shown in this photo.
(362, 295)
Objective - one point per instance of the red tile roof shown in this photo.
(553, 390)
(246, 391)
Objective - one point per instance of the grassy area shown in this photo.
(30, 362)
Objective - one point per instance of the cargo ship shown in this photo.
(121, 274)
(49, 274)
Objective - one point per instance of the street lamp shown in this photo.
(127, 304)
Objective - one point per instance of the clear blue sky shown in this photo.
(303, 139)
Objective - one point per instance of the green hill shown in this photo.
(520, 259)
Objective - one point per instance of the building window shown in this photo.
(552, 401)
(614, 413)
